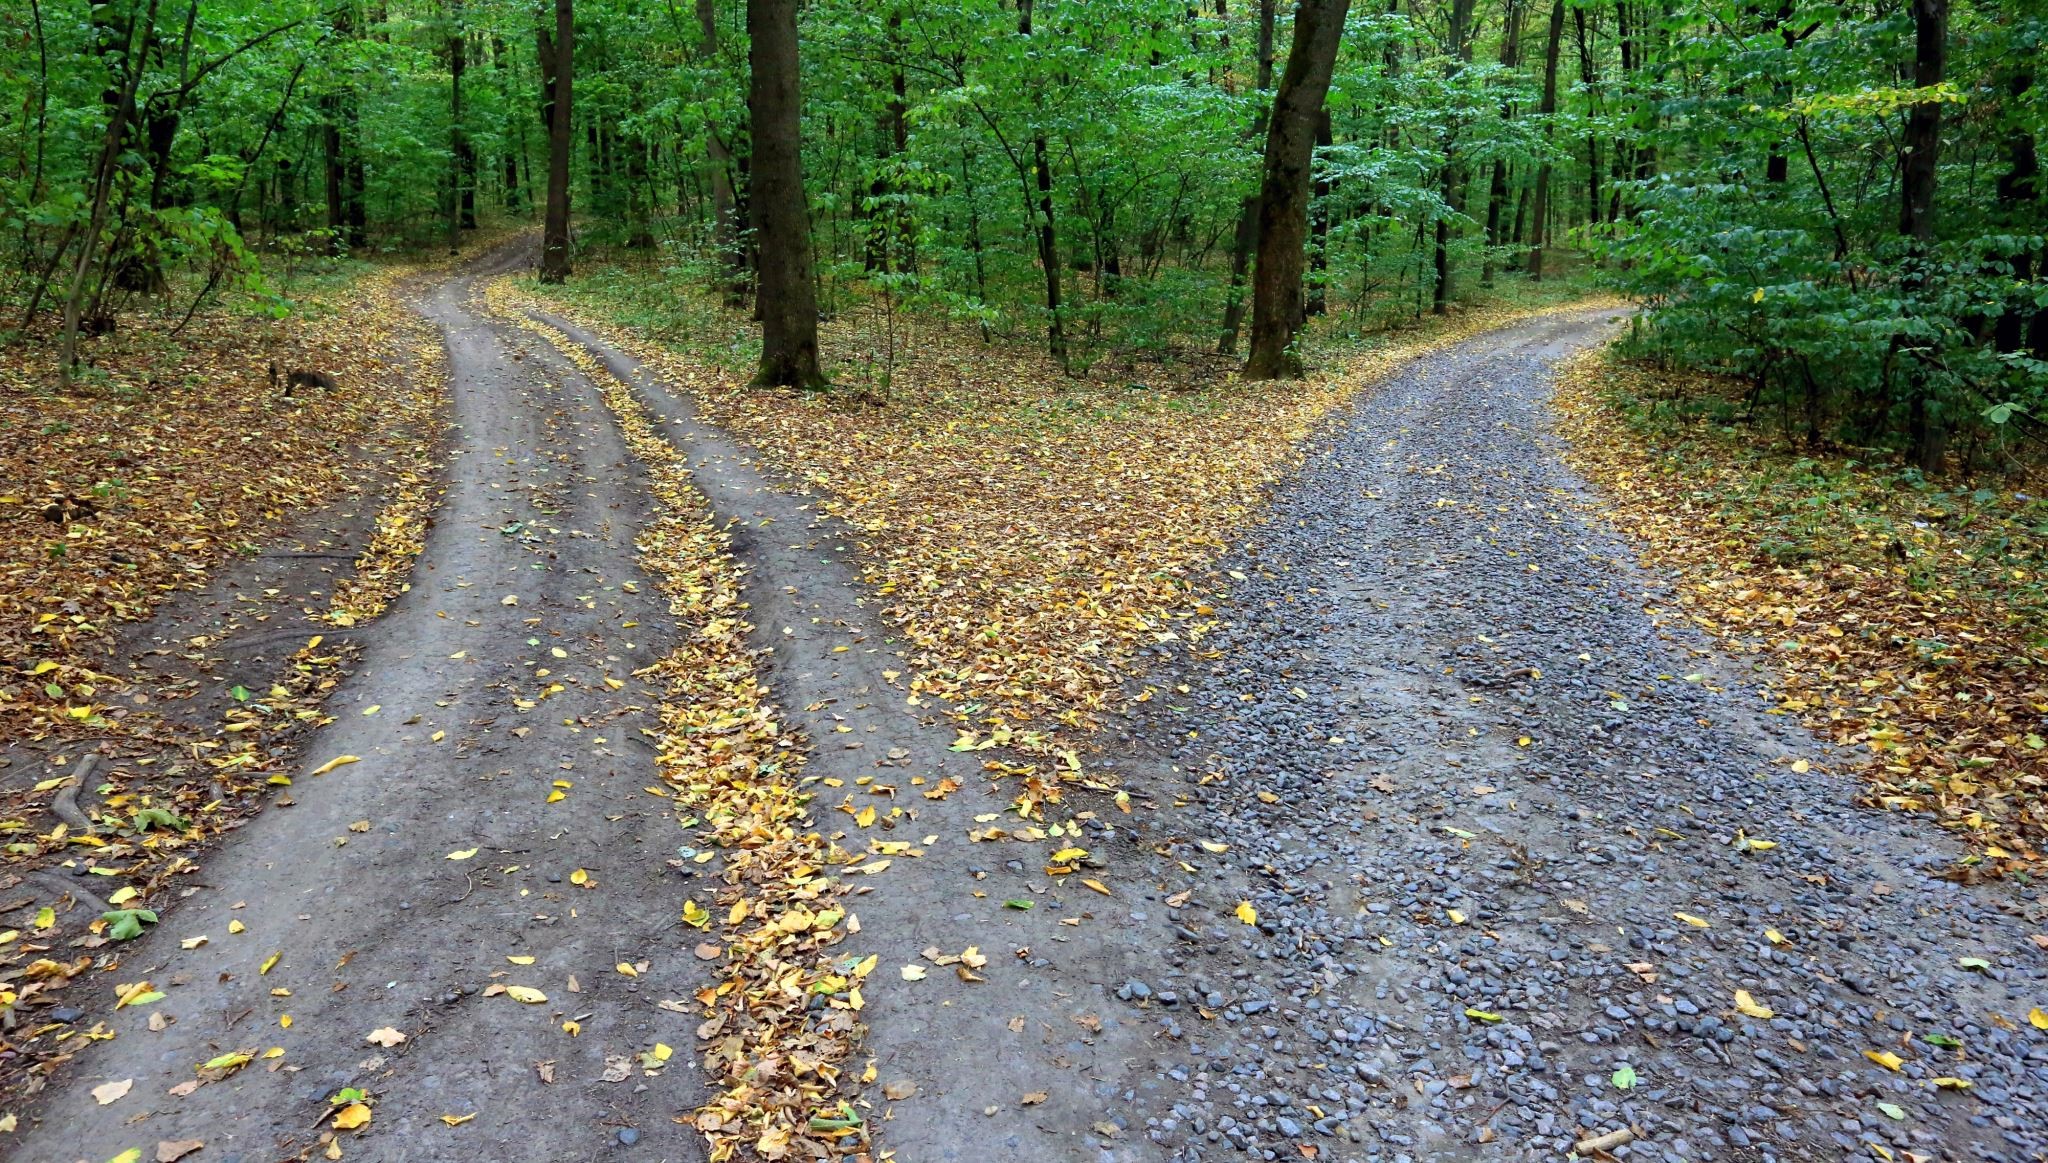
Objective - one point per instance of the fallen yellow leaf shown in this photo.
(1246, 913)
(1750, 1006)
(335, 762)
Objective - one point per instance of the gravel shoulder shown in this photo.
(1493, 808)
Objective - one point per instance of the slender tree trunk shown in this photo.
(501, 62)
(136, 51)
(1277, 307)
(1588, 76)
(1453, 167)
(788, 301)
(1047, 227)
(554, 259)
(1921, 149)
(458, 141)
(1497, 189)
(2018, 198)
(1248, 212)
(725, 229)
(1319, 229)
(1539, 221)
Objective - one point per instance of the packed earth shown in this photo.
(1423, 826)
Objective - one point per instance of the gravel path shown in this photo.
(1484, 794)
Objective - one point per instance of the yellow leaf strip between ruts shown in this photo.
(775, 1066)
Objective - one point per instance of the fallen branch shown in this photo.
(63, 886)
(65, 803)
(1604, 1143)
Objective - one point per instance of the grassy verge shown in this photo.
(1902, 616)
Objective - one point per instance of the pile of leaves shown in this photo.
(1898, 615)
(1032, 532)
(173, 455)
(776, 1066)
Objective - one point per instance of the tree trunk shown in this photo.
(1497, 189)
(1248, 212)
(725, 229)
(1453, 168)
(788, 300)
(1920, 154)
(1539, 220)
(554, 255)
(1277, 308)
(123, 108)
(458, 142)
(1319, 230)
(1047, 228)
(2018, 193)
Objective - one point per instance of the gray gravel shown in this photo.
(1426, 596)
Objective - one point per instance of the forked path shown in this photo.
(1476, 793)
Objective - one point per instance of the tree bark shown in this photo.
(1539, 217)
(554, 256)
(1047, 226)
(1453, 167)
(135, 52)
(1319, 229)
(459, 180)
(788, 299)
(1277, 307)
(1497, 189)
(2018, 193)
(1248, 211)
(1920, 155)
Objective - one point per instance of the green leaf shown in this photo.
(1015, 904)
(1625, 1078)
(126, 924)
(1891, 1110)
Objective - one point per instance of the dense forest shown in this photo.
(1837, 203)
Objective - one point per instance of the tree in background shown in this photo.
(782, 217)
(1277, 303)
(558, 59)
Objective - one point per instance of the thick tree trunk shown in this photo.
(1248, 212)
(788, 300)
(1539, 220)
(1277, 307)
(554, 254)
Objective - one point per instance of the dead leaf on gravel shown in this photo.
(1034, 1098)
(184, 1088)
(172, 1150)
(546, 1070)
(1751, 1006)
(385, 1036)
(352, 1117)
(900, 1089)
(107, 1092)
(338, 761)
(617, 1068)
(913, 973)
(710, 951)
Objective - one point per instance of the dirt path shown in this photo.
(528, 582)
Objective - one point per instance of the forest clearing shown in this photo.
(1023, 580)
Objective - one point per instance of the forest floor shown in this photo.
(1065, 772)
